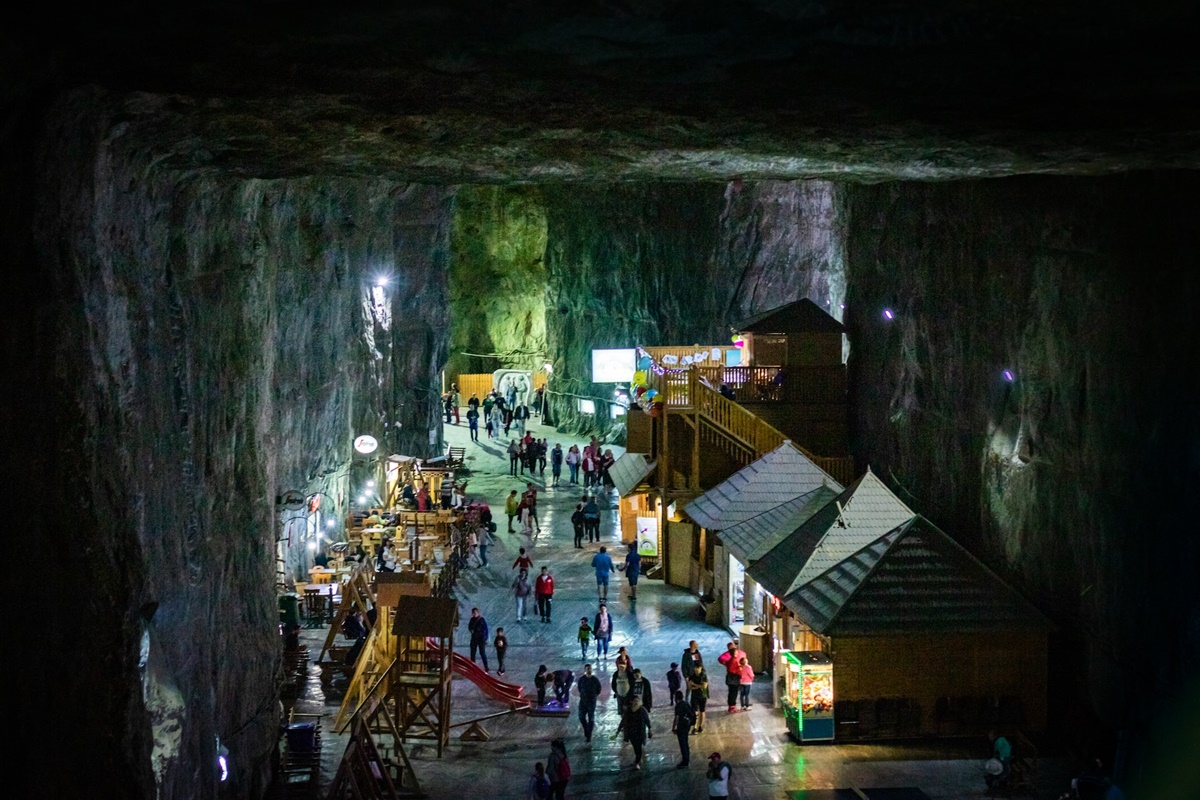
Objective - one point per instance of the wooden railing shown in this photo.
(773, 385)
(757, 434)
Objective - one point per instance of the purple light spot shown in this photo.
(889, 314)
(1009, 376)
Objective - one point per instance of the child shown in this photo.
(501, 645)
(585, 636)
(539, 784)
(539, 681)
(747, 675)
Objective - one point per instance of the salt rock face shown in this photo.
(216, 342)
(1071, 478)
(497, 279)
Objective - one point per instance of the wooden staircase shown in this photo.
(722, 424)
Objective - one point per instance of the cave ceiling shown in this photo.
(511, 92)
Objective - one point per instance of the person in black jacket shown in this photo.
(478, 627)
(636, 724)
(589, 691)
(640, 687)
(577, 524)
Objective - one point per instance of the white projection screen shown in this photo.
(613, 366)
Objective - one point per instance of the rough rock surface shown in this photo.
(1072, 478)
(215, 342)
(497, 279)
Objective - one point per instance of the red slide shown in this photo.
(508, 693)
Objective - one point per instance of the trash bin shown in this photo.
(289, 611)
(754, 642)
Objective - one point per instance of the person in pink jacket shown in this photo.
(747, 682)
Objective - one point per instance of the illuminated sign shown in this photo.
(366, 444)
(613, 366)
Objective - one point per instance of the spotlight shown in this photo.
(381, 282)
(1009, 376)
(362, 498)
(329, 523)
(370, 484)
(889, 314)
(312, 545)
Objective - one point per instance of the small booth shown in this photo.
(808, 695)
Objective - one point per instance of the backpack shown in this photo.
(541, 786)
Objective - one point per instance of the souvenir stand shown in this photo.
(808, 695)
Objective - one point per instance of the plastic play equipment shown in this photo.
(501, 691)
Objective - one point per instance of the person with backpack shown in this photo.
(539, 784)
(591, 525)
(589, 692)
(718, 776)
(558, 769)
(682, 725)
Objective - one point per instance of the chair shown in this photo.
(316, 607)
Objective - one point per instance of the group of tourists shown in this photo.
(499, 411)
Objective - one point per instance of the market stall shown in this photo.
(808, 695)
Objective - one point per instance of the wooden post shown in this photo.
(693, 385)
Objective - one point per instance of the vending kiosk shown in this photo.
(808, 695)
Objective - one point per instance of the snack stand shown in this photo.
(808, 695)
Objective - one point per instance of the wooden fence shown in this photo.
(480, 384)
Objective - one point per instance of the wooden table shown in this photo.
(322, 575)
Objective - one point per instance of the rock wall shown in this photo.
(210, 342)
(497, 279)
(1077, 477)
(659, 264)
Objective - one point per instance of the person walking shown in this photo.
(447, 406)
(636, 724)
(520, 417)
(718, 777)
(603, 564)
(478, 627)
(473, 402)
(521, 591)
(531, 497)
(501, 645)
(633, 569)
(473, 423)
(455, 400)
(497, 417)
(556, 462)
(523, 515)
(514, 456)
(747, 674)
(591, 519)
(558, 770)
(577, 524)
(572, 459)
(589, 692)
(731, 660)
(542, 451)
(640, 687)
(510, 508)
(585, 637)
(619, 684)
(602, 629)
(523, 561)
(543, 592)
(485, 539)
(697, 684)
(681, 726)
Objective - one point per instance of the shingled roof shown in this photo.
(869, 510)
(912, 579)
(802, 316)
(629, 470)
(778, 477)
(753, 538)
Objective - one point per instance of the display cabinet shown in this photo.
(808, 695)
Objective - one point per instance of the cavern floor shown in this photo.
(766, 764)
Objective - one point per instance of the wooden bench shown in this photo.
(456, 456)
